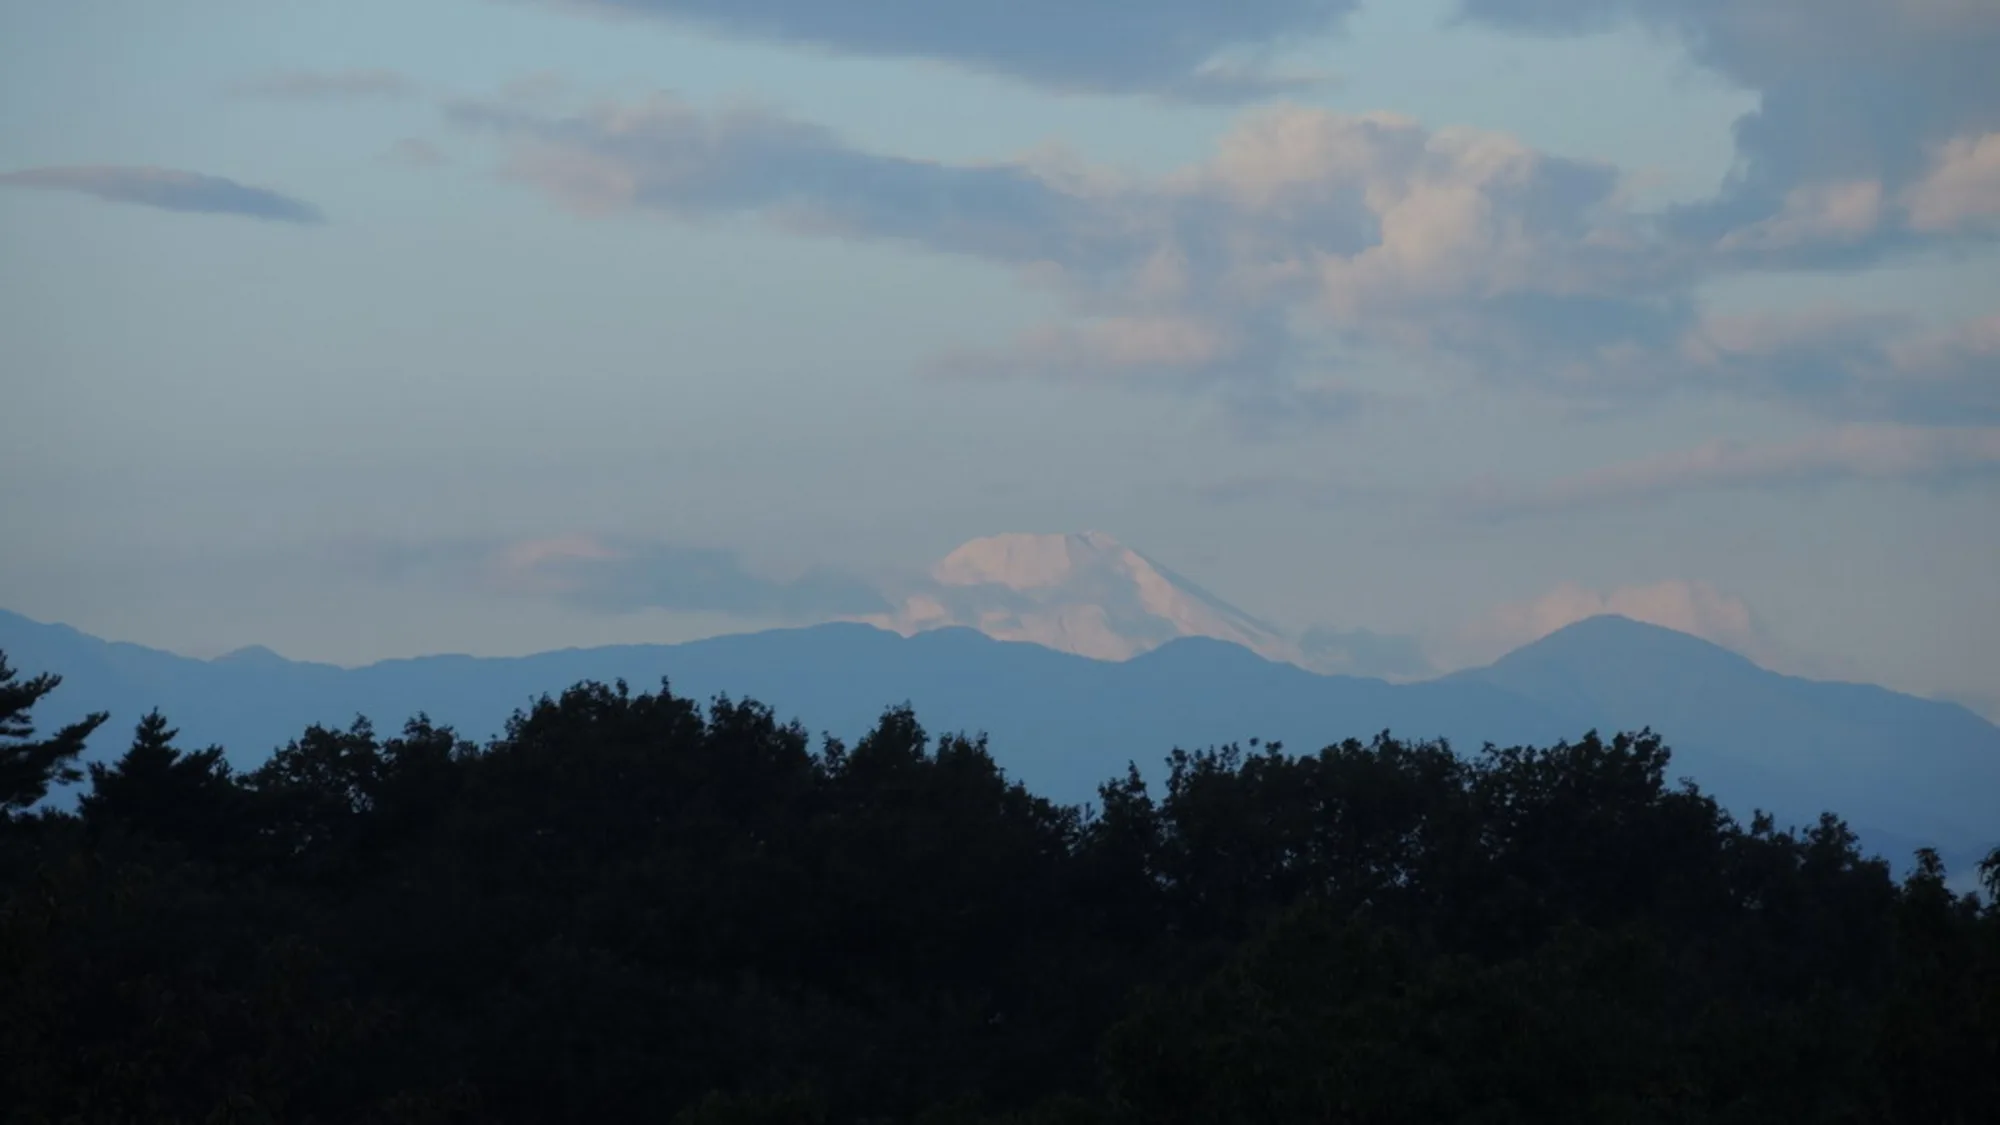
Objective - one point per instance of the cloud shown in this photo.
(415, 152)
(169, 190)
(1961, 190)
(327, 85)
(624, 577)
(1854, 367)
(665, 156)
(1916, 454)
(1306, 228)
(1318, 493)
(1361, 652)
(1851, 93)
(1309, 246)
(1193, 49)
(1816, 214)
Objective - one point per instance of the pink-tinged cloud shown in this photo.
(1307, 232)
(535, 565)
(1306, 225)
(1816, 214)
(1962, 189)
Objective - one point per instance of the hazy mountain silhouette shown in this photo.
(1906, 771)
(1767, 738)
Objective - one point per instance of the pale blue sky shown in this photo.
(222, 429)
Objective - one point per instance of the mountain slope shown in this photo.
(1904, 771)
(1061, 722)
(1768, 738)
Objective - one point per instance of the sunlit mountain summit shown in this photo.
(1082, 593)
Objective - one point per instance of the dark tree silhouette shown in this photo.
(29, 767)
(633, 907)
(162, 791)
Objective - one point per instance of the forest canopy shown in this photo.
(634, 907)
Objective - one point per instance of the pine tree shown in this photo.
(28, 767)
(159, 789)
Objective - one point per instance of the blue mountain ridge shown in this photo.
(1906, 772)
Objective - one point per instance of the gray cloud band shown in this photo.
(1860, 99)
(1940, 457)
(1865, 105)
(170, 190)
(616, 577)
(1191, 49)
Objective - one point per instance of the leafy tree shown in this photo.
(314, 796)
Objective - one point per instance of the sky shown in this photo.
(325, 326)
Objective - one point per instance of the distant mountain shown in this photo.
(1090, 595)
(250, 655)
(1905, 771)
(1059, 721)
(1085, 594)
(1984, 704)
(1766, 738)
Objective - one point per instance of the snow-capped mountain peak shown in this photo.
(1022, 561)
(1085, 593)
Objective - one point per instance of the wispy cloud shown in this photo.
(1190, 49)
(1931, 455)
(622, 577)
(1299, 491)
(666, 156)
(415, 152)
(1362, 652)
(327, 85)
(1855, 367)
(170, 190)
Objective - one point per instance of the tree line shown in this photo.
(633, 907)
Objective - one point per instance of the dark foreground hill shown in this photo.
(1907, 772)
(632, 908)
